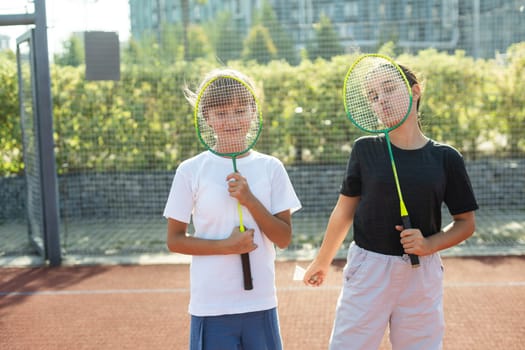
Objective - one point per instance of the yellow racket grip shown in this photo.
(239, 210)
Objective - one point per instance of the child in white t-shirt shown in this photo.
(207, 191)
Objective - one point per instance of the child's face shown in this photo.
(388, 97)
(231, 124)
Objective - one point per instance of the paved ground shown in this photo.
(144, 306)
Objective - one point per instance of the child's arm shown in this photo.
(179, 242)
(339, 223)
(278, 227)
(461, 228)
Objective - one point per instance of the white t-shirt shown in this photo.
(200, 192)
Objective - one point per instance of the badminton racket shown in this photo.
(378, 99)
(228, 121)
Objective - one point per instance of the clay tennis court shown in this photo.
(144, 306)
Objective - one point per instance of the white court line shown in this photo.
(485, 284)
(446, 285)
(186, 290)
(95, 291)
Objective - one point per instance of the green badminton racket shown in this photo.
(228, 121)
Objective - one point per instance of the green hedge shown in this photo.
(144, 122)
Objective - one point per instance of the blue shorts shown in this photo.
(249, 331)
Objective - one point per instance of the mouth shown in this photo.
(390, 113)
(235, 128)
(386, 109)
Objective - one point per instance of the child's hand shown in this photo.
(239, 189)
(241, 242)
(315, 275)
(413, 241)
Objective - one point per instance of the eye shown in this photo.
(222, 115)
(372, 96)
(390, 88)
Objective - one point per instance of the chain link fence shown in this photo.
(119, 142)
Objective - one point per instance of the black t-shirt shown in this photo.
(428, 177)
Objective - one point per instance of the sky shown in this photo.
(67, 16)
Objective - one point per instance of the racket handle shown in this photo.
(246, 271)
(414, 259)
(245, 258)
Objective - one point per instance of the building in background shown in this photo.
(481, 28)
(148, 16)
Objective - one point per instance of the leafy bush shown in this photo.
(143, 121)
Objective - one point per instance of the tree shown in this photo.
(259, 46)
(227, 39)
(132, 52)
(199, 45)
(10, 132)
(148, 51)
(185, 6)
(512, 91)
(73, 52)
(172, 49)
(282, 40)
(388, 49)
(389, 37)
(326, 42)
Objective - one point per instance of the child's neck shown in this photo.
(408, 137)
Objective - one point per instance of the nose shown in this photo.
(381, 98)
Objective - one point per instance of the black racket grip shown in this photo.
(246, 271)
(414, 259)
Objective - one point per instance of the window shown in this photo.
(350, 9)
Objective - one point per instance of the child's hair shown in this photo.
(229, 89)
(412, 80)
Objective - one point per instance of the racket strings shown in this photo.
(227, 116)
(377, 97)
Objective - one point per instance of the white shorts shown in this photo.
(382, 289)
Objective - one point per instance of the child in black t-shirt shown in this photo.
(380, 286)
